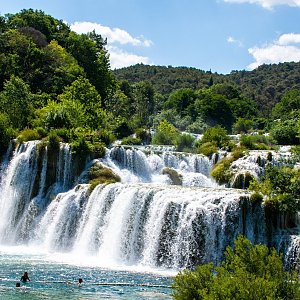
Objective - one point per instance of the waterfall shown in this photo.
(145, 220)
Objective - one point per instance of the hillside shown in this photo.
(265, 85)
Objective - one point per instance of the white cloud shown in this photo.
(113, 35)
(289, 38)
(232, 40)
(277, 51)
(268, 3)
(120, 58)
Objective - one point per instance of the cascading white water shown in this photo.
(144, 220)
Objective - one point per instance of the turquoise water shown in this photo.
(57, 280)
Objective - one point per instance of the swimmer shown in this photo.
(18, 284)
(80, 281)
(25, 277)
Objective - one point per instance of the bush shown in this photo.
(81, 147)
(144, 135)
(281, 186)
(166, 134)
(285, 132)
(28, 135)
(98, 149)
(53, 142)
(217, 135)
(207, 149)
(184, 142)
(221, 171)
(256, 142)
(248, 272)
(131, 141)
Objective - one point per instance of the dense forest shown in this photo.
(265, 85)
(56, 84)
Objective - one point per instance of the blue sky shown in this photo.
(216, 35)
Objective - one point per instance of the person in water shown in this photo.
(80, 281)
(25, 277)
(18, 284)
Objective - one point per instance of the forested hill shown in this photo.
(266, 84)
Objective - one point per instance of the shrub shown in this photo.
(184, 142)
(166, 134)
(221, 171)
(256, 197)
(28, 135)
(208, 148)
(256, 142)
(53, 142)
(144, 135)
(98, 149)
(130, 140)
(217, 135)
(248, 272)
(281, 186)
(81, 147)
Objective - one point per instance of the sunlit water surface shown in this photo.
(51, 278)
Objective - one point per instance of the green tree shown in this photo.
(214, 109)
(89, 50)
(143, 95)
(166, 134)
(89, 101)
(16, 102)
(249, 272)
(6, 132)
(289, 103)
(52, 28)
(182, 101)
(217, 135)
(285, 132)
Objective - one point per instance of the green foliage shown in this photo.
(214, 109)
(81, 147)
(184, 142)
(28, 135)
(285, 132)
(98, 149)
(143, 95)
(289, 103)
(6, 132)
(166, 134)
(281, 186)
(256, 142)
(15, 102)
(221, 171)
(242, 126)
(53, 29)
(83, 103)
(53, 142)
(89, 50)
(182, 101)
(248, 272)
(256, 197)
(217, 135)
(208, 148)
(130, 140)
(144, 135)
